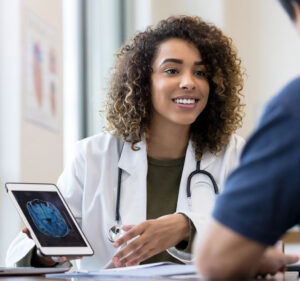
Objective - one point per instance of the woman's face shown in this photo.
(179, 86)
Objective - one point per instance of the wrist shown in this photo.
(184, 226)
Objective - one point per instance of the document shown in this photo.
(162, 269)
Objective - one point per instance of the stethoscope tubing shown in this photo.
(118, 196)
(199, 171)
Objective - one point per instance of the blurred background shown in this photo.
(55, 61)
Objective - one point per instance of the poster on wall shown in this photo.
(40, 72)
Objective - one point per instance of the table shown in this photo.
(287, 276)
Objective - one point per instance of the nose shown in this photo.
(187, 82)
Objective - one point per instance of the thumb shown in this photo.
(289, 259)
(27, 232)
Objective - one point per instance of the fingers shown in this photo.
(135, 256)
(131, 251)
(136, 259)
(59, 259)
(127, 227)
(130, 234)
(274, 261)
(64, 258)
(290, 259)
(27, 232)
(149, 238)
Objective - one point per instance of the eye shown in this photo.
(171, 71)
(200, 73)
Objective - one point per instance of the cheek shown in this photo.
(160, 90)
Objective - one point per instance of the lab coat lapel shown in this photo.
(133, 203)
(188, 168)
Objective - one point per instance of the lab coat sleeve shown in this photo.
(71, 182)
(18, 251)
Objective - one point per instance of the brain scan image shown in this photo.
(47, 218)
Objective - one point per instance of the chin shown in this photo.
(186, 122)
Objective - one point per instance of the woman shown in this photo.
(174, 100)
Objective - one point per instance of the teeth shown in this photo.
(185, 101)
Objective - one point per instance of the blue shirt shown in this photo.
(261, 198)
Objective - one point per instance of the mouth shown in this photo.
(185, 101)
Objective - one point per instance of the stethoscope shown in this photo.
(116, 231)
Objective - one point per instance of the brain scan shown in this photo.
(47, 218)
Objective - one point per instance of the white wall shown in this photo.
(269, 48)
(10, 115)
(41, 149)
(27, 152)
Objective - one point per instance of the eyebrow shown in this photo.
(179, 61)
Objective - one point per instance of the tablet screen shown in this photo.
(49, 219)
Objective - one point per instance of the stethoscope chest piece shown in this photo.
(115, 232)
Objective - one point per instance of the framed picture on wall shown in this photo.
(40, 72)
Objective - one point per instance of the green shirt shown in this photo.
(163, 181)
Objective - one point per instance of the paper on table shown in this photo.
(142, 271)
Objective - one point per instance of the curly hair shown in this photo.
(129, 107)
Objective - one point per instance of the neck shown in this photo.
(167, 142)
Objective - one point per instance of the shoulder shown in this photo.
(287, 101)
(98, 144)
(235, 141)
(280, 121)
(228, 158)
(231, 152)
(234, 147)
(95, 149)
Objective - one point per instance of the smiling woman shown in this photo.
(173, 101)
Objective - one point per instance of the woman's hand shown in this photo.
(151, 238)
(39, 260)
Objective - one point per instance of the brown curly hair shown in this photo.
(129, 107)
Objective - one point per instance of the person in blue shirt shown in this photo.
(261, 200)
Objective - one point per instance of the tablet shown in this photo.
(49, 219)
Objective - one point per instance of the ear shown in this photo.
(296, 8)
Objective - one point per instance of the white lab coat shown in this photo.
(89, 185)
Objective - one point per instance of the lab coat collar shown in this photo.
(134, 184)
(132, 161)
